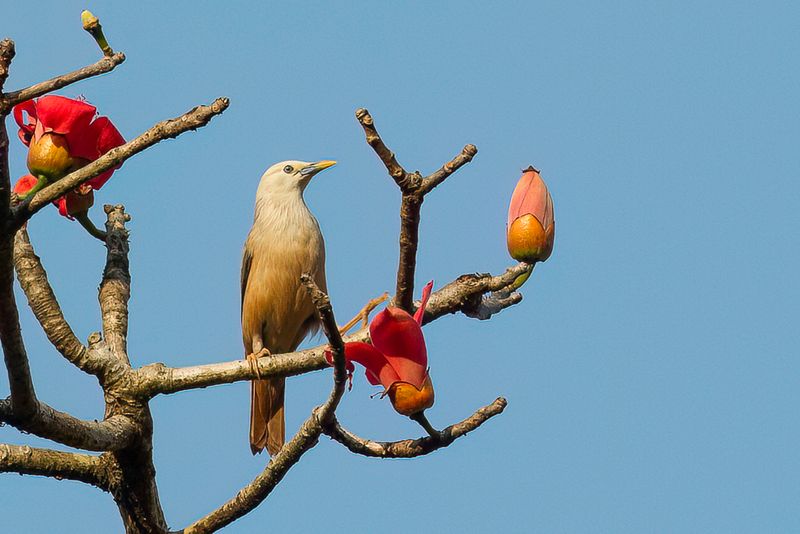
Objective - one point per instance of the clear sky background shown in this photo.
(652, 369)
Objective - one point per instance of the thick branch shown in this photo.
(464, 294)
(192, 120)
(107, 64)
(114, 433)
(57, 464)
(6, 55)
(411, 448)
(254, 493)
(115, 289)
(23, 397)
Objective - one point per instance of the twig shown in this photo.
(56, 464)
(107, 64)
(411, 448)
(191, 120)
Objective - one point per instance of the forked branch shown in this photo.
(411, 448)
(413, 188)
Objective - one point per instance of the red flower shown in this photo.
(63, 135)
(531, 226)
(397, 358)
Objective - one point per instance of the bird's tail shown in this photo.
(267, 425)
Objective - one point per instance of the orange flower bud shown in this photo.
(408, 400)
(49, 156)
(531, 225)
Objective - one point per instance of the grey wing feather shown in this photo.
(247, 260)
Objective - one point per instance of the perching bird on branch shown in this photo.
(277, 312)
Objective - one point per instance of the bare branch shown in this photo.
(448, 168)
(114, 433)
(191, 120)
(157, 378)
(6, 55)
(413, 188)
(107, 64)
(411, 448)
(23, 396)
(115, 289)
(396, 171)
(57, 464)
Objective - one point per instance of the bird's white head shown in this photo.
(289, 177)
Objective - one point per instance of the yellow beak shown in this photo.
(314, 168)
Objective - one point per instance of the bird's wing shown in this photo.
(247, 260)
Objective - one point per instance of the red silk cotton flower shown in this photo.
(397, 358)
(63, 134)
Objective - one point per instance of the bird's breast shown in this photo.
(275, 302)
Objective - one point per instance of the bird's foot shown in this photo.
(252, 359)
(363, 315)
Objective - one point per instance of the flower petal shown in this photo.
(25, 127)
(531, 196)
(378, 369)
(426, 294)
(73, 119)
(108, 137)
(399, 337)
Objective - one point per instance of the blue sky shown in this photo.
(651, 370)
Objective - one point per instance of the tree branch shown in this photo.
(254, 493)
(107, 64)
(396, 171)
(467, 153)
(191, 120)
(115, 289)
(114, 433)
(411, 448)
(23, 396)
(57, 464)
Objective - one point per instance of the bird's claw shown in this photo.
(252, 359)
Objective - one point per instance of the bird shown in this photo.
(284, 243)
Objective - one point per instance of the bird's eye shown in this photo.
(288, 169)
